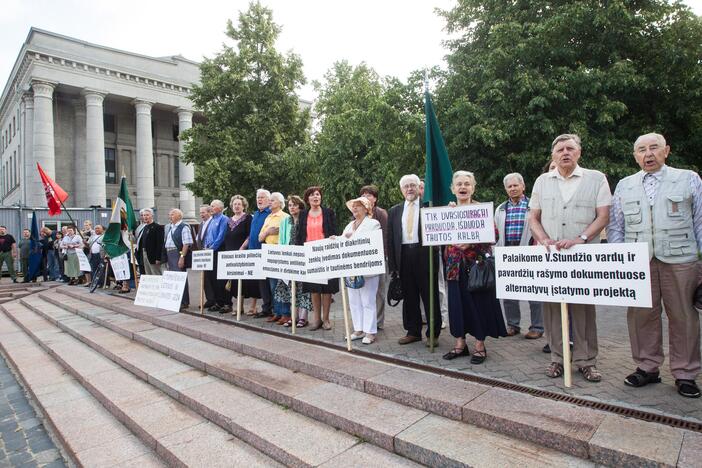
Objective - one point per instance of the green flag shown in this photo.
(438, 173)
(122, 221)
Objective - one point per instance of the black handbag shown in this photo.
(697, 299)
(481, 276)
(394, 291)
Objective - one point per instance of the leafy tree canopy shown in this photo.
(253, 121)
(523, 71)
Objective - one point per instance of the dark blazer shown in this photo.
(328, 225)
(151, 240)
(394, 235)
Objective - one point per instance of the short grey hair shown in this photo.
(513, 175)
(207, 207)
(218, 203)
(409, 178)
(264, 192)
(659, 138)
(177, 211)
(566, 137)
(458, 174)
(143, 211)
(279, 197)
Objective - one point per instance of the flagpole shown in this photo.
(131, 254)
(431, 249)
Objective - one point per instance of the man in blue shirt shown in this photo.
(214, 240)
(263, 201)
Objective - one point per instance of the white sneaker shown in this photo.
(443, 325)
(355, 337)
(368, 340)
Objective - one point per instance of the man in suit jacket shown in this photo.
(149, 244)
(205, 217)
(410, 259)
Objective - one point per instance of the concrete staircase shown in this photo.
(164, 388)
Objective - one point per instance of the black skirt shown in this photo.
(332, 287)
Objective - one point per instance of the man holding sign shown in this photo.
(570, 206)
(662, 206)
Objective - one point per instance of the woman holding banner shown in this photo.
(362, 289)
(70, 243)
(288, 232)
(234, 237)
(474, 313)
(318, 223)
(270, 235)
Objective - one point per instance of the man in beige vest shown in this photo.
(662, 206)
(570, 206)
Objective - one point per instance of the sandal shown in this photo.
(250, 312)
(640, 378)
(478, 356)
(288, 323)
(456, 352)
(316, 326)
(124, 291)
(687, 388)
(554, 370)
(326, 325)
(302, 323)
(590, 373)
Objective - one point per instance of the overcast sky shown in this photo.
(395, 37)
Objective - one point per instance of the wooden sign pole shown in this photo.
(239, 299)
(202, 293)
(345, 303)
(293, 306)
(565, 333)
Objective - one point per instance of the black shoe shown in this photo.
(225, 309)
(478, 357)
(639, 378)
(687, 388)
(454, 353)
(14, 280)
(208, 304)
(546, 349)
(214, 308)
(263, 314)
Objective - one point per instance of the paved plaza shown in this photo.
(515, 359)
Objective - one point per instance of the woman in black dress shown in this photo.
(317, 223)
(236, 234)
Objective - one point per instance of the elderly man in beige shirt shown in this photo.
(570, 206)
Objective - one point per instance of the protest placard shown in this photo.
(342, 257)
(287, 262)
(605, 274)
(83, 260)
(202, 260)
(172, 289)
(148, 292)
(240, 264)
(466, 224)
(120, 266)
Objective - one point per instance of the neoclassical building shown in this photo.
(89, 113)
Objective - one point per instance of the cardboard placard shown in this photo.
(342, 257)
(605, 274)
(83, 260)
(466, 224)
(203, 260)
(287, 262)
(148, 291)
(162, 291)
(120, 267)
(240, 264)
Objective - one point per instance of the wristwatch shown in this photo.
(583, 237)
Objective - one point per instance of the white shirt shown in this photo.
(95, 243)
(203, 230)
(568, 186)
(415, 224)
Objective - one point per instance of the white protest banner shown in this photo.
(287, 262)
(466, 224)
(148, 291)
(240, 264)
(83, 260)
(172, 288)
(120, 266)
(202, 260)
(605, 274)
(342, 257)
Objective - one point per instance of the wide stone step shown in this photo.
(89, 434)
(372, 418)
(180, 436)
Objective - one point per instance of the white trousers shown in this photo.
(362, 304)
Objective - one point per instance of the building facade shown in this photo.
(88, 114)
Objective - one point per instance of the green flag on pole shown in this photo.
(122, 221)
(438, 172)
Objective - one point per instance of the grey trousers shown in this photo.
(173, 257)
(380, 299)
(149, 268)
(674, 286)
(584, 327)
(513, 315)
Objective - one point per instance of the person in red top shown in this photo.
(317, 223)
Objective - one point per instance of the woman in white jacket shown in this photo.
(362, 299)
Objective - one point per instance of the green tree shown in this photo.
(252, 115)
(524, 71)
(370, 132)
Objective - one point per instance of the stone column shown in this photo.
(43, 135)
(186, 172)
(31, 178)
(79, 173)
(144, 155)
(95, 148)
